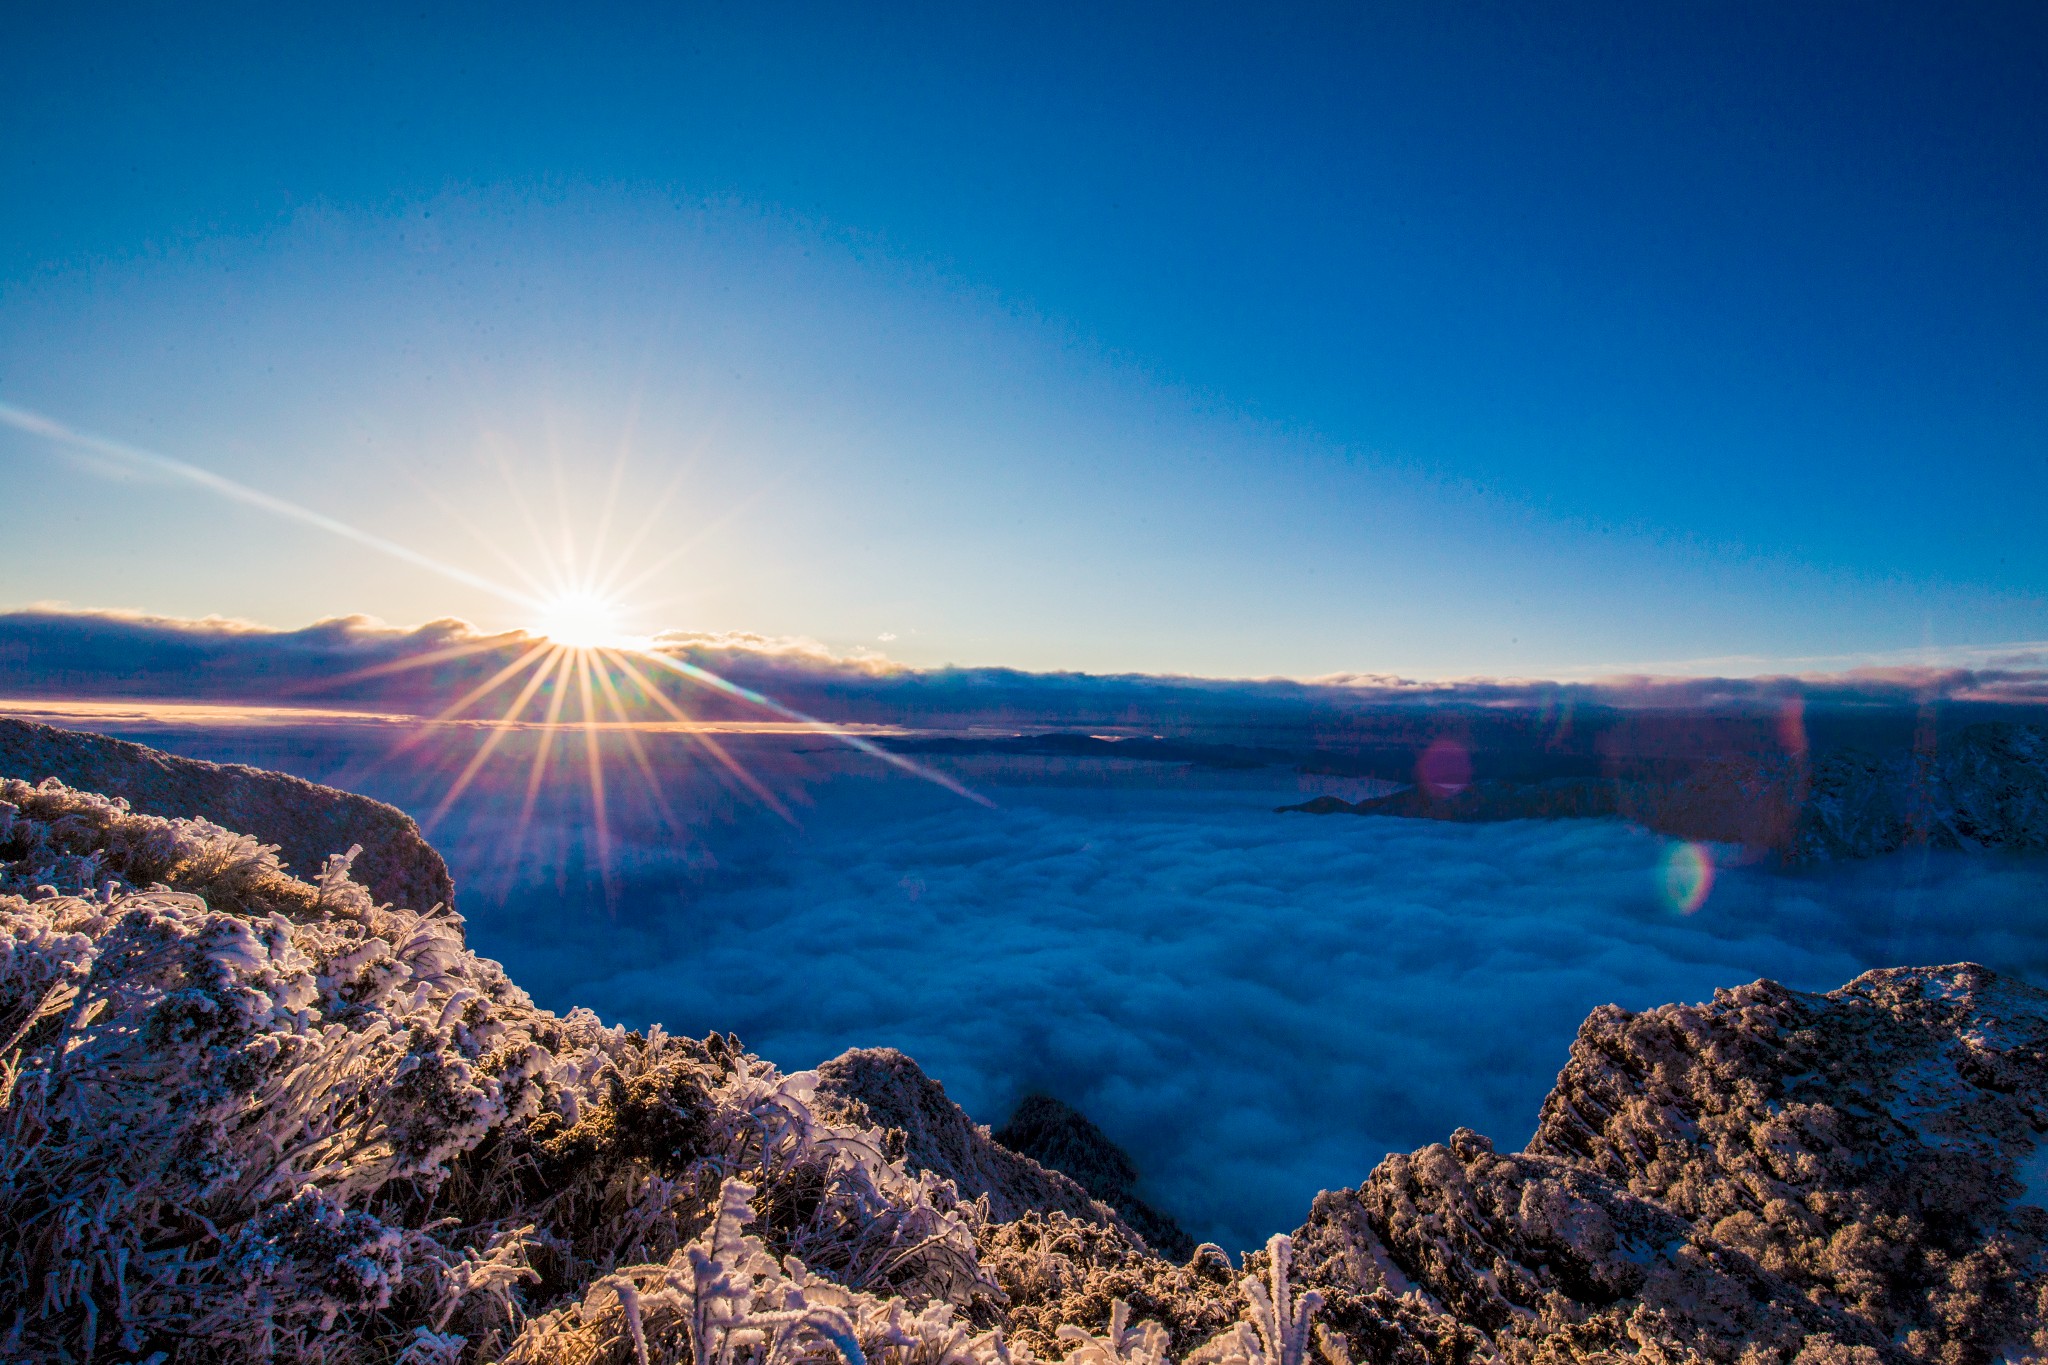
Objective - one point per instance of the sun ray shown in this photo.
(600, 812)
(432, 656)
(498, 732)
(603, 530)
(372, 762)
(677, 552)
(474, 695)
(697, 733)
(556, 469)
(542, 751)
(477, 533)
(705, 678)
(628, 732)
(35, 423)
(654, 515)
(586, 573)
(542, 552)
(647, 525)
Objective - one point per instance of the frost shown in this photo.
(1277, 1322)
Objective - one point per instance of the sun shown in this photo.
(583, 620)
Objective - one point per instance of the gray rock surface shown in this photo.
(306, 821)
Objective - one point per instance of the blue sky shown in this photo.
(1427, 339)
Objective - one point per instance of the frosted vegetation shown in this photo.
(249, 1117)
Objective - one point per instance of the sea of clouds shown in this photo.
(1257, 1006)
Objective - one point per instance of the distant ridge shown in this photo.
(1987, 788)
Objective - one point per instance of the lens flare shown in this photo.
(1444, 769)
(1688, 876)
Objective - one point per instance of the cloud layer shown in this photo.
(97, 654)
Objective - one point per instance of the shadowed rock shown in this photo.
(1056, 1135)
(306, 821)
(883, 1086)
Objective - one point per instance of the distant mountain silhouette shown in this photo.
(1985, 788)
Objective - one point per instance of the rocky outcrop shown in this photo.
(1531, 1255)
(929, 1132)
(1741, 1180)
(1881, 1147)
(1048, 1159)
(246, 1117)
(306, 822)
(1773, 1176)
(1056, 1271)
(1987, 788)
(1062, 1138)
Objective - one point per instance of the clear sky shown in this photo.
(1437, 339)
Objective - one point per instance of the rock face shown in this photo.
(1989, 789)
(1049, 1158)
(248, 1117)
(1753, 1175)
(1880, 1147)
(1058, 1136)
(882, 1086)
(307, 822)
(1985, 789)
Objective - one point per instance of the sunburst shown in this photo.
(582, 620)
(588, 675)
(583, 670)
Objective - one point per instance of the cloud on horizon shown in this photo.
(54, 652)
